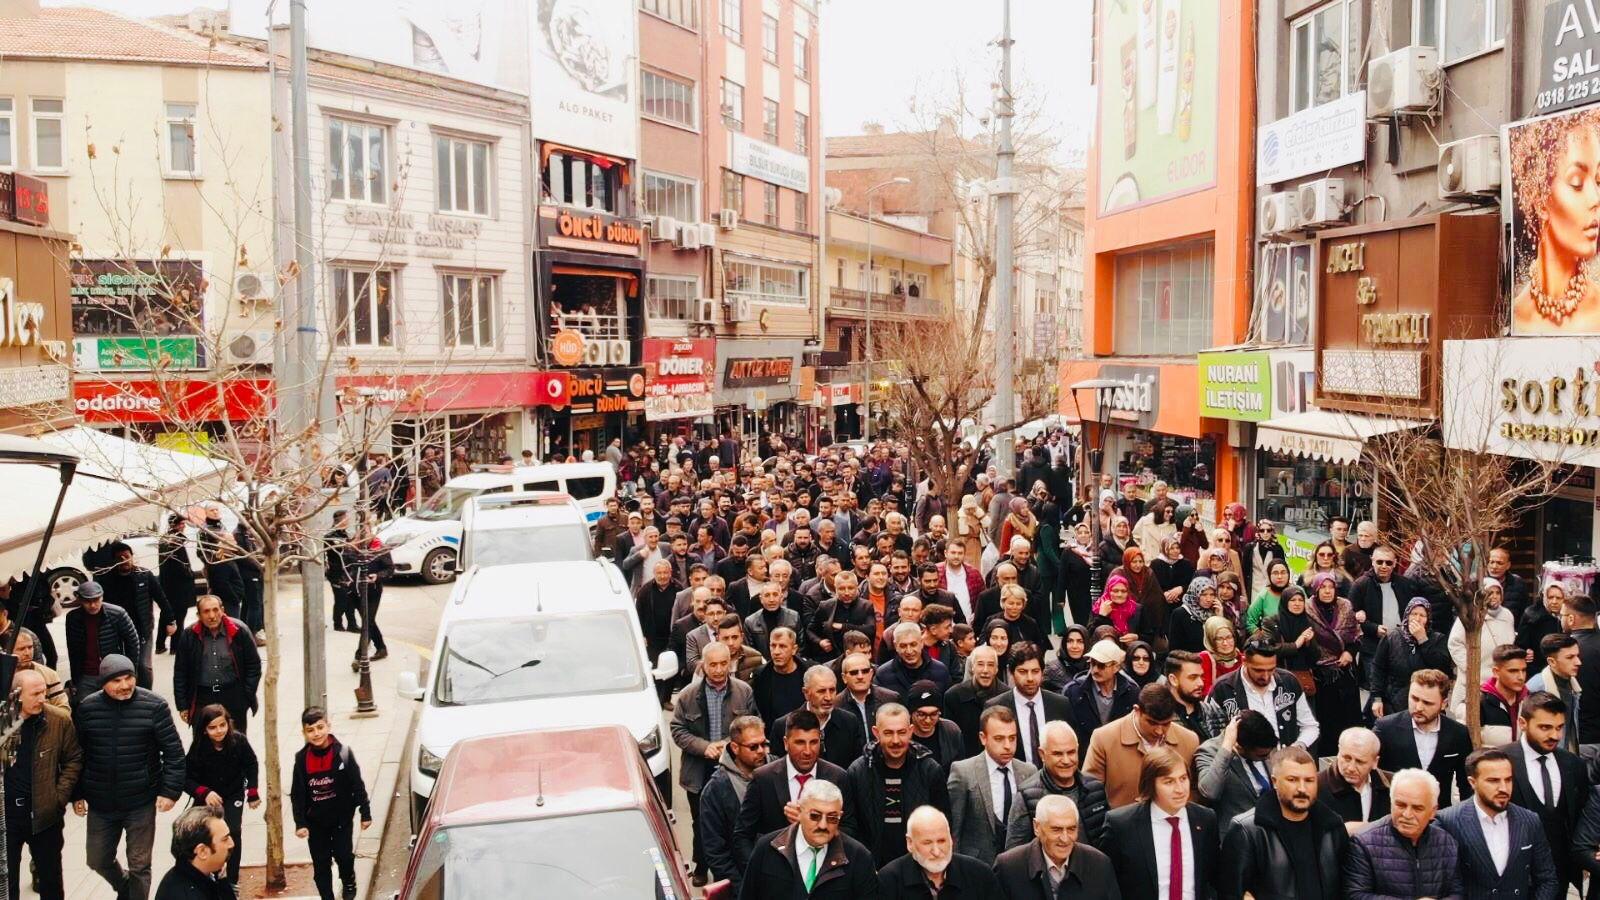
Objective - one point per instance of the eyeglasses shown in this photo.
(925, 714)
(1383, 562)
(755, 745)
(817, 818)
(857, 671)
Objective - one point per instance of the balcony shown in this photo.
(851, 302)
(593, 327)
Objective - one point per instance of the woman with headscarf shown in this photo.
(1019, 522)
(1221, 655)
(1047, 551)
(1290, 629)
(1337, 704)
(1403, 651)
(1538, 620)
(1153, 528)
(1270, 601)
(1236, 520)
(1231, 601)
(1117, 608)
(1142, 664)
(1222, 540)
(1325, 560)
(1191, 536)
(1076, 558)
(1173, 572)
(1071, 661)
(1146, 591)
(1186, 625)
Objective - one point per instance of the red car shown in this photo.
(570, 813)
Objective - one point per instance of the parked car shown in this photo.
(427, 541)
(566, 812)
(522, 527)
(528, 644)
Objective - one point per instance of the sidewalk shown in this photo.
(378, 742)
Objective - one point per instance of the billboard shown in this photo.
(1156, 135)
(482, 41)
(584, 69)
(131, 315)
(680, 376)
(1568, 61)
(1553, 202)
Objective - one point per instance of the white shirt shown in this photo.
(1390, 611)
(955, 581)
(794, 783)
(1497, 834)
(1427, 742)
(1266, 703)
(804, 852)
(997, 784)
(1366, 800)
(1025, 735)
(1535, 779)
(1161, 833)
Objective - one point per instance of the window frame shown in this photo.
(654, 305)
(690, 8)
(676, 182)
(1155, 336)
(770, 30)
(802, 211)
(692, 103)
(168, 120)
(9, 115)
(450, 140)
(770, 205)
(757, 267)
(57, 116)
(771, 113)
(614, 189)
(368, 129)
(344, 329)
(731, 16)
(1308, 22)
(802, 56)
(1437, 41)
(802, 133)
(732, 104)
(450, 308)
(733, 191)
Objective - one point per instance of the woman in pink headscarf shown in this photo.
(1117, 608)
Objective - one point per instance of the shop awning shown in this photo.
(121, 487)
(1335, 437)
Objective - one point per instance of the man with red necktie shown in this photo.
(1164, 847)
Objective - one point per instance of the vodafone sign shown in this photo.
(680, 376)
(177, 402)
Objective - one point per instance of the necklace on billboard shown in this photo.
(1557, 309)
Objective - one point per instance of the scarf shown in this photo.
(1138, 582)
(1120, 614)
(1334, 625)
(1191, 598)
(1150, 675)
(1405, 632)
(1290, 624)
(1213, 626)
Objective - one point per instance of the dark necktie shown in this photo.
(1033, 732)
(1175, 888)
(1262, 785)
(1005, 798)
(1544, 776)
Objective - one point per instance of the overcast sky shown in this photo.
(877, 54)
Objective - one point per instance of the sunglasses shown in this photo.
(1383, 562)
(755, 745)
(817, 818)
(857, 671)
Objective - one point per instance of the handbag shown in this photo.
(1308, 682)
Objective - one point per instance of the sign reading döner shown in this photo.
(680, 376)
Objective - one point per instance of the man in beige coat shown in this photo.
(1117, 748)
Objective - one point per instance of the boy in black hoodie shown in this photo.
(327, 791)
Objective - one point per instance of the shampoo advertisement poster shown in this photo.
(1157, 129)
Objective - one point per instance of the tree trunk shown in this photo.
(1469, 689)
(269, 722)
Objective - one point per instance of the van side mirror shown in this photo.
(408, 687)
(666, 666)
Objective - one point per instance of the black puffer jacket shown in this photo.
(131, 751)
(117, 634)
(1395, 660)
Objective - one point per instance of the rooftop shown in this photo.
(80, 33)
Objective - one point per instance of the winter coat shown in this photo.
(117, 634)
(1499, 627)
(139, 593)
(1395, 660)
(188, 664)
(350, 791)
(131, 751)
(1536, 624)
(232, 771)
(1086, 715)
(692, 733)
(922, 783)
(184, 882)
(846, 871)
(1256, 857)
(719, 811)
(1089, 793)
(963, 704)
(57, 766)
(896, 676)
(1383, 864)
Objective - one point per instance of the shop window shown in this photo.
(667, 99)
(1188, 466)
(769, 39)
(1459, 28)
(583, 181)
(1284, 288)
(1163, 301)
(678, 12)
(1303, 495)
(769, 204)
(764, 282)
(181, 159)
(592, 305)
(469, 310)
(733, 20)
(670, 195)
(585, 488)
(462, 169)
(769, 120)
(49, 134)
(1325, 54)
(358, 161)
(671, 296)
(363, 304)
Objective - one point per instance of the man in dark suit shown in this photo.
(1352, 785)
(776, 786)
(813, 850)
(1032, 704)
(1423, 737)
(843, 736)
(1501, 846)
(1231, 769)
(1538, 755)
(1188, 847)
(1055, 865)
(861, 698)
(963, 703)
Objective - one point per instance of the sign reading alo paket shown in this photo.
(771, 164)
(1236, 386)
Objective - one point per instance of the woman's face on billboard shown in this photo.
(1574, 204)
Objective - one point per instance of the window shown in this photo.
(363, 306)
(667, 99)
(671, 296)
(463, 174)
(8, 133)
(1459, 28)
(1325, 57)
(802, 212)
(733, 20)
(769, 204)
(1282, 311)
(179, 159)
(802, 132)
(769, 120)
(49, 138)
(585, 488)
(469, 310)
(678, 12)
(1163, 301)
(583, 181)
(838, 273)
(769, 39)
(669, 195)
(358, 161)
(733, 104)
(802, 56)
(764, 282)
(733, 191)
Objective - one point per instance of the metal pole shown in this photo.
(1005, 198)
(365, 704)
(300, 360)
(872, 280)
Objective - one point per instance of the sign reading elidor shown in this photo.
(1533, 398)
(771, 164)
(1313, 140)
(1236, 386)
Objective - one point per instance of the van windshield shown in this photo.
(447, 502)
(599, 856)
(506, 660)
(544, 543)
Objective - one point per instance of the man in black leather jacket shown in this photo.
(1290, 846)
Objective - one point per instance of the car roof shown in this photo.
(519, 509)
(542, 774)
(549, 587)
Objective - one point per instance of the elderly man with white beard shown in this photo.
(932, 867)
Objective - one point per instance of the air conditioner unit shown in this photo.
(1405, 81)
(1320, 202)
(688, 237)
(250, 348)
(1469, 167)
(740, 309)
(617, 352)
(727, 219)
(705, 311)
(249, 286)
(1277, 213)
(708, 234)
(594, 353)
(665, 228)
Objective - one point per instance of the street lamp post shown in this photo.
(872, 280)
(366, 705)
(1091, 471)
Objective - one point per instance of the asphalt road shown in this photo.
(417, 628)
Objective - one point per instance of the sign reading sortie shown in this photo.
(680, 377)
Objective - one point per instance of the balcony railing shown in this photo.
(592, 327)
(895, 304)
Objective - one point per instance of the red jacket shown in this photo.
(974, 588)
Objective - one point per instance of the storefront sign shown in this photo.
(838, 394)
(1236, 386)
(176, 401)
(1136, 398)
(583, 84)
(606, 390)
(1318, 139)
(24, 199)
(566, 348)
(441, 392)
(770, 163)
(132, 354)
(1532, 398)
(680, 377)
(21, 321)
(591, 232)
(132, 315)
(755, 372)
(33, 385)
(437, 237)
(1569, 54)
(1394, 328)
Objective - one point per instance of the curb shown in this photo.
(386, 795)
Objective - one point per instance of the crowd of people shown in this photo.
(878, 700)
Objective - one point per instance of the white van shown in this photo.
(536, 645)
(427, 541)
(523, 527)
